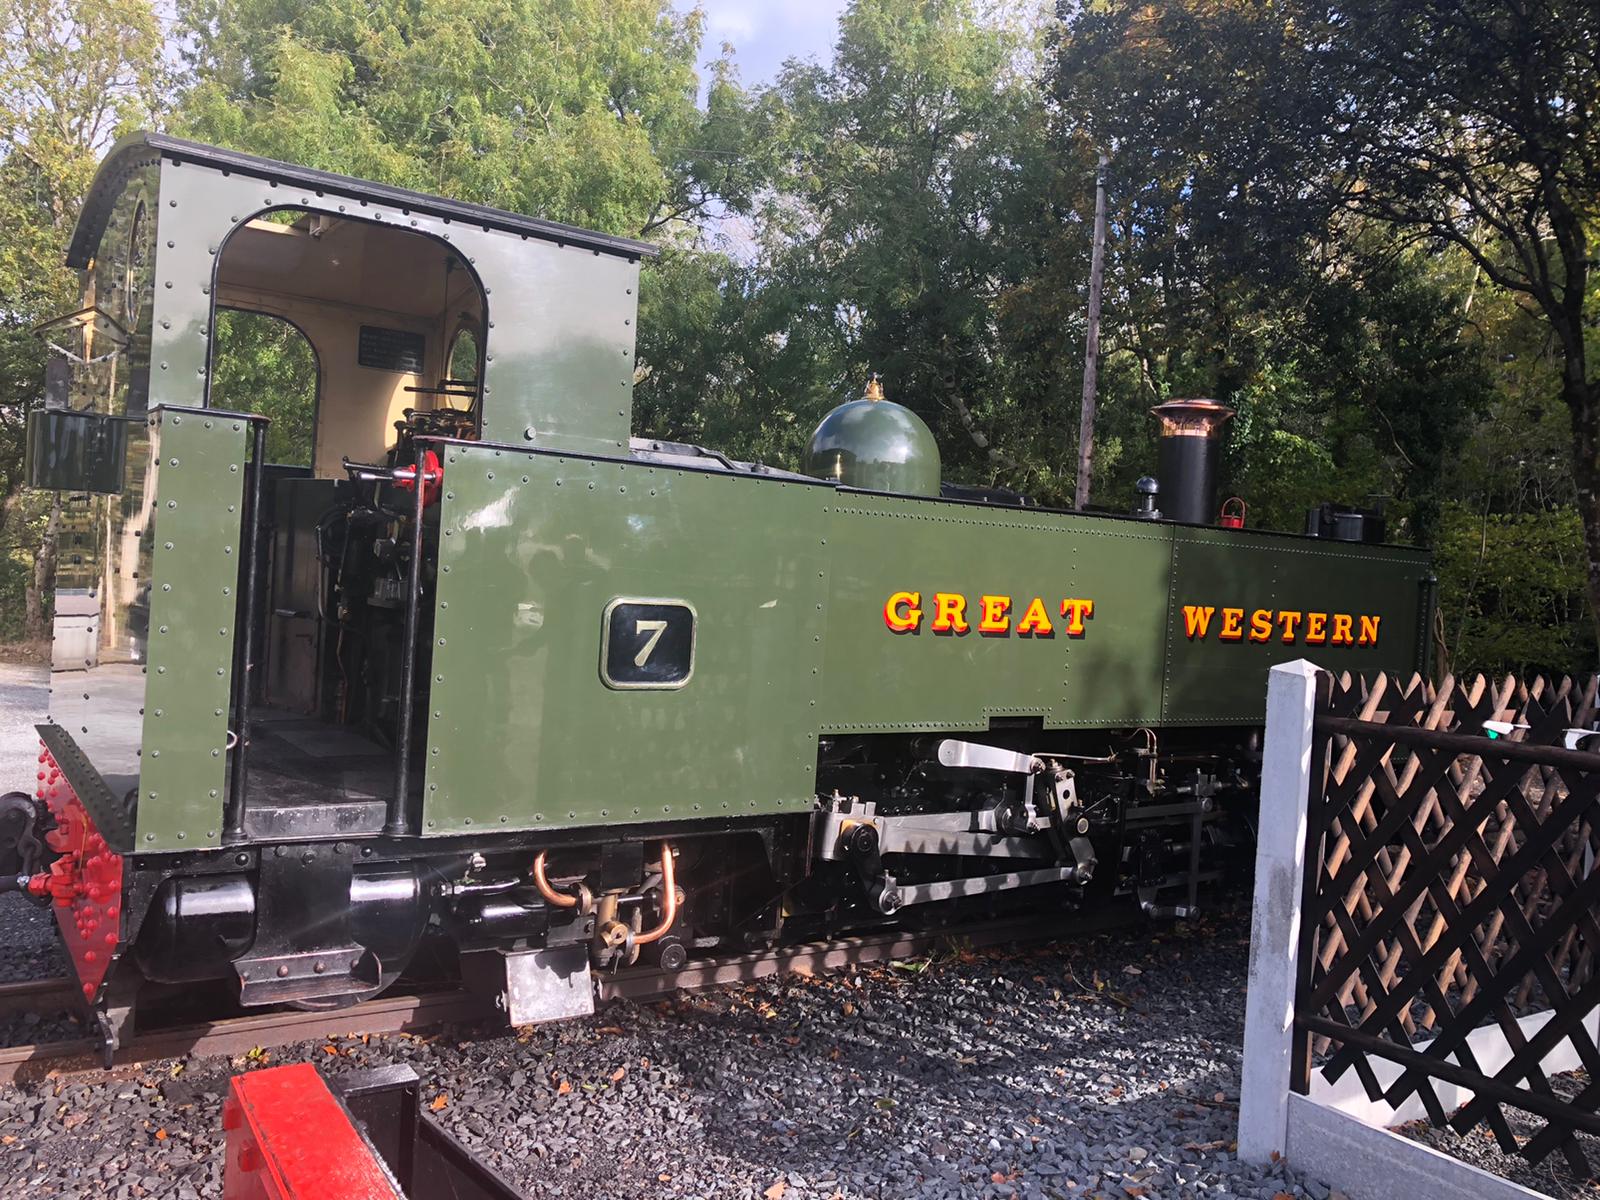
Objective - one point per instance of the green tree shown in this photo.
(73, 76)
(1468, 129)
(1477, 124)
(1513, 590)
(577, 110)
(261, 363)
(913, 185)
(1234, 272)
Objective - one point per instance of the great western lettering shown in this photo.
(1290, 625)
(995, 615)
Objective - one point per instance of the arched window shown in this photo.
(261, 363)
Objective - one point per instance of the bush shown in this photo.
(1514, 591)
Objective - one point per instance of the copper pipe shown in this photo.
(669, 899)
(551, 896)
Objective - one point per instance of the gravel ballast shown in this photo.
(1106, 1067)
(1101, 1067)
(29, 947)
(1553, 1176)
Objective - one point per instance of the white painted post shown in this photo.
(1275, 920)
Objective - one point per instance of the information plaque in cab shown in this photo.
(647, 643)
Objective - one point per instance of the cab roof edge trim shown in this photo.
(142, 148)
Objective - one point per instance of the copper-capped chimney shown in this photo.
(1190, 448)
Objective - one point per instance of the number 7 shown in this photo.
(655, 629)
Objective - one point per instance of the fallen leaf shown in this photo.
(644, 1064)
(7, 1139)
(619, 1074)
(848, 1009)
(662, 1178)
(330, 1048)
(884, 1102)
(439, 1101)
(997, 1177)
(161, 1135)
(564, 1088)
(776, 1191)
(615, 1030)
(73, 1120)
(835, 1054)
(1133, 1191)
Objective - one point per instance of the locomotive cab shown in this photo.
(250, 531)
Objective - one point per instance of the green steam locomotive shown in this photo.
(488, 684)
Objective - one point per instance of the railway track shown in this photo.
(404, 1013)
(31, 995)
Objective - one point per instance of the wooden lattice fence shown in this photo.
(1450, 885)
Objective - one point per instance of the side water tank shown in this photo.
(875, 444)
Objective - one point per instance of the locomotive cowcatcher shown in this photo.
(487, 685)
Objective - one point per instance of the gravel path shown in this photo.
(24, 697)
(1105, 1067)
(1477, 1146)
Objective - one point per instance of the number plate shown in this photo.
(647, 643)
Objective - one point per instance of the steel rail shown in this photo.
(239, 1035)
(393, 1014)
(33, 995)
(818, 957)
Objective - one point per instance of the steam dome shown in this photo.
(875, 444)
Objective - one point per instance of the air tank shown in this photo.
(875, 444)
(1189, 451)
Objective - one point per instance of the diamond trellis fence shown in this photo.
(1450, 885)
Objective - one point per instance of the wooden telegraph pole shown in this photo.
(1091, 357)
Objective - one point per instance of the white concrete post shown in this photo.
(1275, 920)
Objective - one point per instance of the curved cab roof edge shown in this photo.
(142, 148)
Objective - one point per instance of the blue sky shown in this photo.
(766, 32)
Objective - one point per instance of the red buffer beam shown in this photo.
(289, 1138)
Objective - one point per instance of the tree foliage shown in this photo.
(73, 75)
(262, 364)
(578, 110)
(1463, 133)
(1368, 228)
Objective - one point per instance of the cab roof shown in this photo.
(142, 148)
